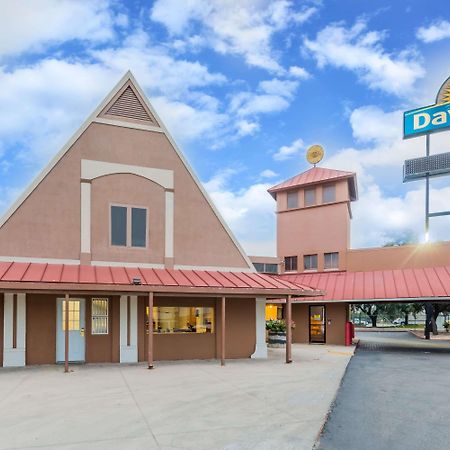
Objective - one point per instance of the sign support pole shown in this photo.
(427, 194)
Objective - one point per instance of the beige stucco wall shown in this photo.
(312, 230)
(47, 225)
(336, 316)
(407, 256)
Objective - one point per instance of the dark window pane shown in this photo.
(259, 267)
(292, 199)
(310, 262)
(290, 263)
(118, 225)
(138, 227)
(271, 268)
(331, 260)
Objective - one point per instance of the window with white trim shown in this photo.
(292, 199)
(310, 197)
(100, 316)
(331, 261)
(310, 262)
(128, 226)
(329, 193)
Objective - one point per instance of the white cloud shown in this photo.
(268, 173)
(272, 96)
(299, 72)
(361, 51)
(438, 30)
(289, 151)
(378, 215)
(28, 25)
(248, 211)
(57, 95)
(246, 128)
(244, 28)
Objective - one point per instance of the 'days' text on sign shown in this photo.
(426, 120)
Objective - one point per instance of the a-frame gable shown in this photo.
(118, 111)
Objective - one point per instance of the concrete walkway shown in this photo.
(248, 404)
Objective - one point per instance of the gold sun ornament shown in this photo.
(444, 93)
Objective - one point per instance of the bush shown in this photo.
(276, 326)
(446, 326)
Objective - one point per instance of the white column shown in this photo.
(169, 224)
(261, 346)
(85, 217)
(128, 350)
(14, 356)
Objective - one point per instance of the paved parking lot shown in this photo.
(248, 404)
(395, 395)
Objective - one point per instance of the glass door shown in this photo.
(317, 324)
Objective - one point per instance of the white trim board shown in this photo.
(27, 259)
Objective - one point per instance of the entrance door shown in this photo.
(317, 324)
(76, 329)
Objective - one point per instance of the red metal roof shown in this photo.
(311, 176)
(428, 282)
(101, 276)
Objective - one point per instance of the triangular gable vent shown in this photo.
(128, 106)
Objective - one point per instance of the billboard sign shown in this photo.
(429, 118)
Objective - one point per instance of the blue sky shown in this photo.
(245, 87)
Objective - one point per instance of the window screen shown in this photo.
(290, 263)
(292, 199)
(310, 197)
(138, 227)
(310, 262)
(331, 260)
(99, 312)
(329, 193)
(118, 225)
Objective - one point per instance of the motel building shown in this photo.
(115, 253)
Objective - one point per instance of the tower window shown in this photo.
(310, 197)
(331, 261)
(310, 262)
(128, 226)
(329, 193)
(290, 263)
(292, 199)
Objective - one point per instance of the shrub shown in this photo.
(276, 326)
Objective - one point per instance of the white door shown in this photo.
(76, 329)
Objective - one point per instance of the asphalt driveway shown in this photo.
(395, 395)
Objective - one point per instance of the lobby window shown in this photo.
(99, 313)
(266, 267)
(128, 226)
(310, 262)
(331, 261)
(183, 319)
(310, 197)
(292, 199)
(329, 193)
(290, 263)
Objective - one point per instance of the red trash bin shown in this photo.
(348, 333)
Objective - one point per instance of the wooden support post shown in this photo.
(222, 329)
(66, 334)
(150, 330)
(288, 329)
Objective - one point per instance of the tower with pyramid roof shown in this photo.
(313, 219)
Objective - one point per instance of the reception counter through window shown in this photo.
(183, 319)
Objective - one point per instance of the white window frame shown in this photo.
(129, 227)
(325, 186)
(292, 195)
(334, 267)
(314, 269)
(313, 189)
(96, 333)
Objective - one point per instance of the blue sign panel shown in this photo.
(426, 120)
